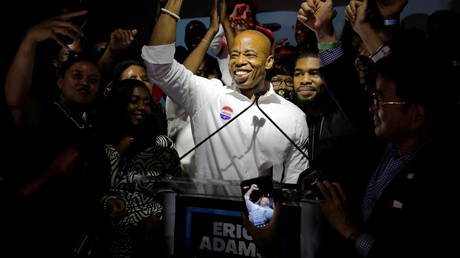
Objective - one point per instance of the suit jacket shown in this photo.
(415, 212)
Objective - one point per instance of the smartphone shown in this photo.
(79, 21)
(259, 200)
(308, 189)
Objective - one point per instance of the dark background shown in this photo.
(105, 16)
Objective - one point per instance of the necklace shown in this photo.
(80, 126)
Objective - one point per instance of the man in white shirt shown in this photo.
(250, 145)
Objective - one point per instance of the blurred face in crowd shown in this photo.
(250, 56)
(138, 73)
(194, 32)
(283, 85)
(282, 82)
(392, 118)
(307, 80)
(80, 83)
(208, 72)
(242, 18)
(139, 106)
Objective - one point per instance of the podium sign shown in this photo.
(207, 227)
(212, 227)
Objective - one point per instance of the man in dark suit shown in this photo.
(403, 211)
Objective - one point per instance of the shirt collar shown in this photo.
(269, 95)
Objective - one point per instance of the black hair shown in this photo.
(420, 77)
(75, 58)
(112, 121)
(193, 28)
(211, 66)
(308, 53)
(284, 63)
(121, 66)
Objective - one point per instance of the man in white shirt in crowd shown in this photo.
(249, 146)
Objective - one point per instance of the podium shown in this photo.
(203, 219)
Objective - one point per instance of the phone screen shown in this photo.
(259, 200)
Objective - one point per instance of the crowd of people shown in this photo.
(374, 112)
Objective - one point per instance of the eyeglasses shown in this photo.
(377, 100)
(277, 82)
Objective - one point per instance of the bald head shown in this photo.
(256, 36)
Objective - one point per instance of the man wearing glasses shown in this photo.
(402, 211)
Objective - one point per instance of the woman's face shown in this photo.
(139, 106)
(80, 83)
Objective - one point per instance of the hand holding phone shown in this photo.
(80, 21)
(307, 185)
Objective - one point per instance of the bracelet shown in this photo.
(328, 45)
(382, 52)
(390, 22)
(205, 40)
(175, 16)
(376, 51)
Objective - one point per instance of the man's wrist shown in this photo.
(326, 38)
(326, 34)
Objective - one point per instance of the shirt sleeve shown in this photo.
(330, 55)
(249, 204)
(296, 162)
(181, 85)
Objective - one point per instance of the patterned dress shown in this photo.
(133, 181)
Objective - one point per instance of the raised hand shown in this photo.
(317, 15)
(223, 16)
(58, 25)
(120, 39)
(214, 16)
(355, 13)
(280, 43)
(391, 9)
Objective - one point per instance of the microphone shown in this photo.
(257, 95)
(307, 178)
(261, 92)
